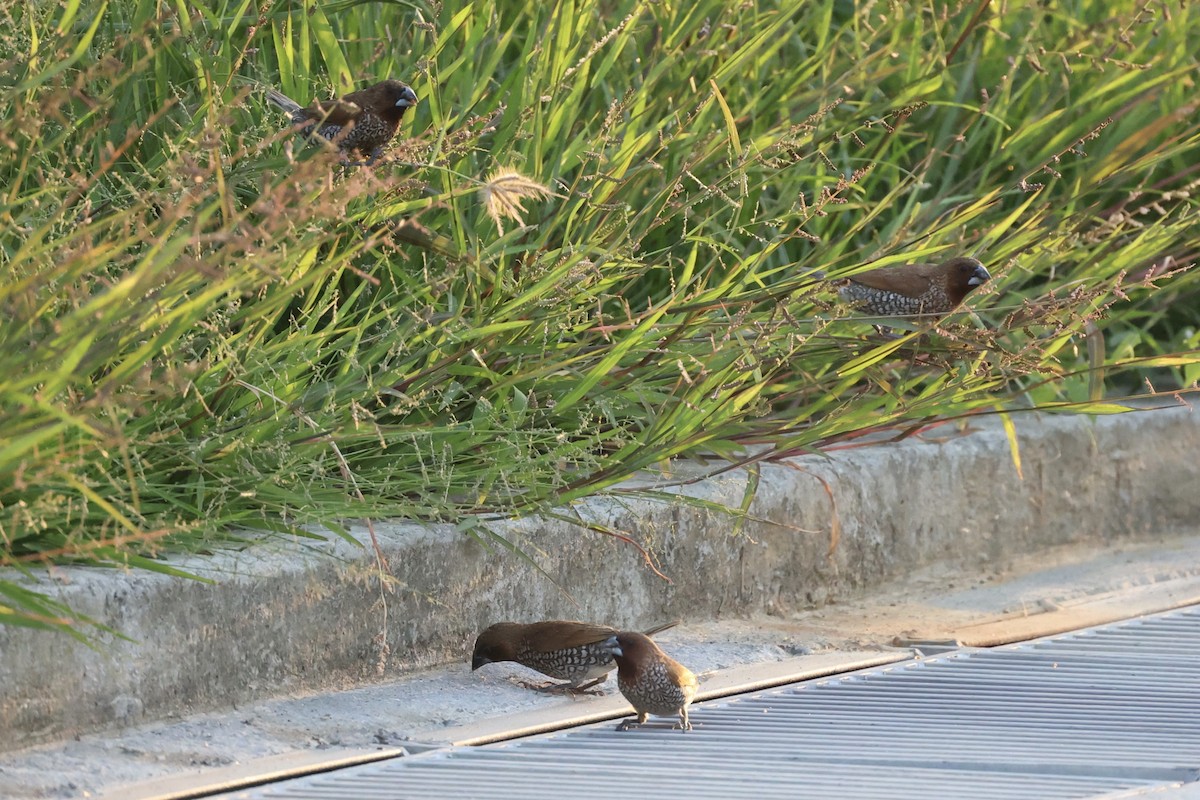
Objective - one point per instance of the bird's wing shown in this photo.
(561, 634)
(911, 279)
(334, 112)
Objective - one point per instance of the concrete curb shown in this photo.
(281, 619)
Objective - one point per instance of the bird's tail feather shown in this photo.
(282, 100)
(663, 627)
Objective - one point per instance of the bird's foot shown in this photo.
(626, 724)
(886, 333)
(562, 688)
(370, 160)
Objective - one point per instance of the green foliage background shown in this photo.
(592, 248)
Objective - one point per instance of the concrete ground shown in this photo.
(293, 655)
(1059, 589)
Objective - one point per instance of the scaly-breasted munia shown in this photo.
(913, 289)
(365, 120)
(652, 681)
(576, 652)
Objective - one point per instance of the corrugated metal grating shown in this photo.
(1111, 711)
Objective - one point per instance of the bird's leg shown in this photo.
(684, 723)
(367, 161)
(370, 161)
(584, 687)
(569, 689)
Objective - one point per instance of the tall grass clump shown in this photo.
(595, 246)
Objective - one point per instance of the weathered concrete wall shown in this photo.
(282, 618)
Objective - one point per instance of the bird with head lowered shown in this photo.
(576, 652)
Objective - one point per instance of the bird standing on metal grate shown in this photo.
(652, 681)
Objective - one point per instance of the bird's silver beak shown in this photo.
(980, 277)
(613, 646)
(407, 98)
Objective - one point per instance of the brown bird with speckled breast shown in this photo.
(652, 681)
(363, 121)
(576, 652)
(914, 289)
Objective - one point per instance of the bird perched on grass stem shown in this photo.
(363, 121)
(576, 652)
(914, 289)
(652, 681)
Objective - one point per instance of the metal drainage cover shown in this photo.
(1112, 711)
